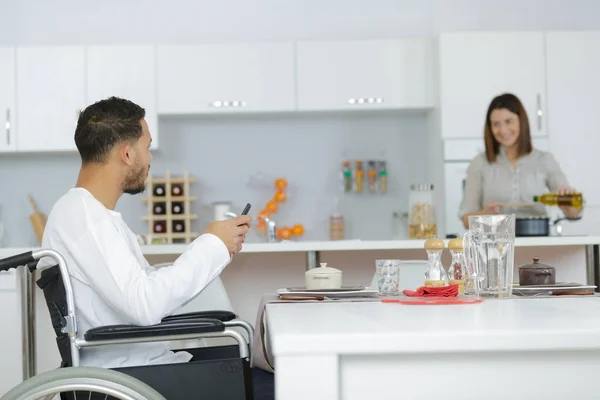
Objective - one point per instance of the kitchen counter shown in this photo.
(510, 348)
(345, 245)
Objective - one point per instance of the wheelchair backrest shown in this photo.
(53, 287)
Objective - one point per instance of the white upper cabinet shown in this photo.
(8, 99)
(248, 77)
(370, 74)
(51, 93)
(475, 67)
(127, 72)
(573, 86)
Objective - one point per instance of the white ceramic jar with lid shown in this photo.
(323, 277)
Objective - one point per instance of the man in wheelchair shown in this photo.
(112, 282)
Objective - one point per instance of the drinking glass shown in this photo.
(489, 254)
(388, 272)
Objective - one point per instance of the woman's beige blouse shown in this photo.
(535, 174)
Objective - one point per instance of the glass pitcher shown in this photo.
(489, 254)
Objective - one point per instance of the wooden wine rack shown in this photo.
(168, 235)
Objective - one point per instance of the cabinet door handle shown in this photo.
(539, 112)
(8, 126)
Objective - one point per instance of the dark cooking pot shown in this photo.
(537, 274)
(536, 226)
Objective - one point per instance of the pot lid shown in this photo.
(536, 264)
(323, 270)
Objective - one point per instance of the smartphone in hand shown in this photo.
(246, 209)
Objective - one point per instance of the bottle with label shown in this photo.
(176, 189)
(177, 208)
(347, 174)
(159, 190)
(563, 200)
(359, 177)
(371, 177)
(435, 275)
(159, 227)
(383, 179)
(336, 226)
(456, 271)
(159, 208)
(178, 226)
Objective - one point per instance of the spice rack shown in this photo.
(169, 218)
(365, 176)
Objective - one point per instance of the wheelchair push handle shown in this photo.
(18, 260)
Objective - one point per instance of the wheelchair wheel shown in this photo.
(78, 383)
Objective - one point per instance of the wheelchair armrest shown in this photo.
(168, 328)
(213, 314)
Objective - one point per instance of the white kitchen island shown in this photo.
(265, 267)
(499, 349)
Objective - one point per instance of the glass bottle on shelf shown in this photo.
(177, 208)
(176, 189)
(359, 177)
(159, 227)
(159, 190)
(336, 226)
(347, 174)
(382, 177)
(178, 226)
(435, 275)
(371, 177)
(159, 208)
(457, 273)
(562, 200)
(422, 219)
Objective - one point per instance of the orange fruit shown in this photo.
(272, 206)
(280, 196)
(298, 230)
(284, 233)
(262, 215)
(261, 227)
(281, 184)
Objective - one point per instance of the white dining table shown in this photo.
(518, 348)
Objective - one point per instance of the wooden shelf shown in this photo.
(169, 236)
(173, 180)
(171, 217)
(172, 199)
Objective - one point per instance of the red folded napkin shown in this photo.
(440, 291)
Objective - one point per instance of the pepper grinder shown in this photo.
(456, 272)
(435, 275)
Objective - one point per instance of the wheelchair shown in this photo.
(221, 372)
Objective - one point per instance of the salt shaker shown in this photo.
(457, 274)
(435, 275)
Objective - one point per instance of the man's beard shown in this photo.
(135, 181)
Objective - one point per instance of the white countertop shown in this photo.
(346, 245)
(386, 328)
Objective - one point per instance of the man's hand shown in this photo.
(232, 232)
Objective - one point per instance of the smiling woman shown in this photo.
(510, 171)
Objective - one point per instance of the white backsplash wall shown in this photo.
(222, 153)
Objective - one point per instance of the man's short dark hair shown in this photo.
(104, 124)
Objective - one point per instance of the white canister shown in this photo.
(323, 277)
(221, 209)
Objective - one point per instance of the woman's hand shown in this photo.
(570, 212)
(491, 208)
(565, 190)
